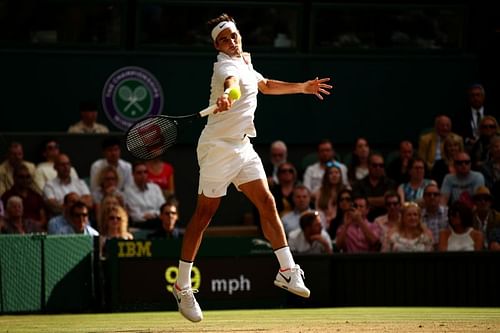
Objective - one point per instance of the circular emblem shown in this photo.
(131, 93)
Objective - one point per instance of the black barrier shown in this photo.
(228, 278)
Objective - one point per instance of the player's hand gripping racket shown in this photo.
(150, 137)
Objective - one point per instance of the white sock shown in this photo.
(184, 276)
(285, 258)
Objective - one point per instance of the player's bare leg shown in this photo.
(290, 275)
(184, 294)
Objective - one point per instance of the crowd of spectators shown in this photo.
(442, 196)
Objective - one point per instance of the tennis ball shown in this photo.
(234, 93)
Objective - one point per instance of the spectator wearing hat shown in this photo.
(88, 121)
(311, 237)
(485, 218)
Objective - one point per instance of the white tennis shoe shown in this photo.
(188, 306)
(292, 280)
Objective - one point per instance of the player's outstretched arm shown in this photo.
(317, 87)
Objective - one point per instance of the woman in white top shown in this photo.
(460, 236)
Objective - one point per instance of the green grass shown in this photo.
(322, 320)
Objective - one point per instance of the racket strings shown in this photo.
(150, 138)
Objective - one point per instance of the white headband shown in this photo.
(221, 26)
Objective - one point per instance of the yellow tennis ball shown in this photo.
(234, 93)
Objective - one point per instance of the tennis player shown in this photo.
(226, 155)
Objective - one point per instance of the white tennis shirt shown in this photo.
(237, 121)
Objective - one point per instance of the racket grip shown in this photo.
(208, 110)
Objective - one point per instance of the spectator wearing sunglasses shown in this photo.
(434, 214)
(485, 218)
(463, 183)
(392, 218)
(374, 186)
(169, 216)
(282, 191)
(488, 128)
(77, 222)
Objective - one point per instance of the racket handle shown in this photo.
(208, 110)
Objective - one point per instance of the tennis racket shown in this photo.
(150, 137)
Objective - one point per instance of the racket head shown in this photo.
(150, 137)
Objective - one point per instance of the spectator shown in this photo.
(358, 168)
(430, 146)
(55, 189)
(162, 174)
(112, 153)
(278, 153)
(302, 203)
(33, 205)
(451, 146)
(15, 156)
(357, 234)
(115, 226)
(15, 222)
(488, 128)
(326, 197)
(393, 217)
(45, 170)
(410, 235)
(282, 190)
(345, 203)
(78, 221)
(491, 172)
(470, 118)
(88, 121)
(413, 190)
(434, 214)
(108, 179)
(108, 201)
(143, 199)
(169, 216)
(461, 236)
(374, 186)
(311, 237)
(314, 173)
(57, 224)
(462, 184)
(485, 218)
(398, 168)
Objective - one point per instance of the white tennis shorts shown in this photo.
(225, 162)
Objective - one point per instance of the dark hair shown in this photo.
(390, 194)
(78, 204)
(136, 163)
(307, 218)
(221, 18)
(464, 212)
(110, 141)
(88, 106)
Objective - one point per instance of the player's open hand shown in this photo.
(318, 87)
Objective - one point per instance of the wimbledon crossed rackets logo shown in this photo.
(130, 94)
